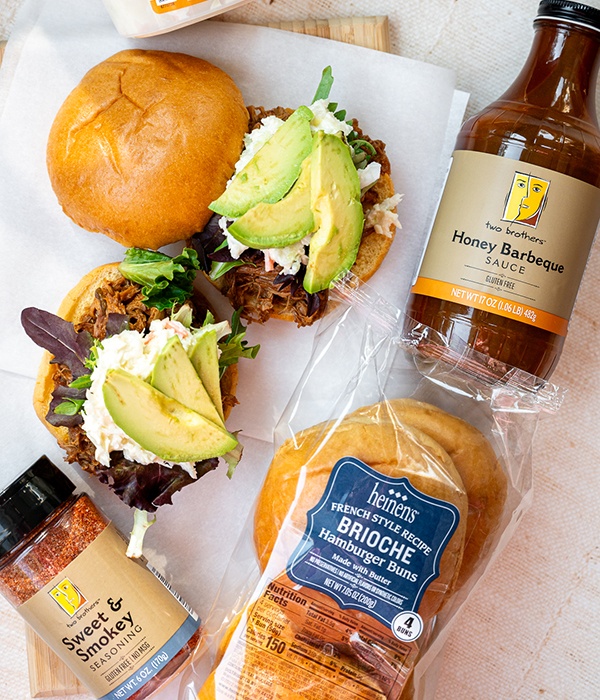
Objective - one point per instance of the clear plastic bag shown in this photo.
(396, 480)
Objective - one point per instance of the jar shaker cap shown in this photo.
(574, 12)
(29, 500)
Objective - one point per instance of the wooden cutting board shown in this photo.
(48, 676)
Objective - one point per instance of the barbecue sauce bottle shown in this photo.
(519, 210)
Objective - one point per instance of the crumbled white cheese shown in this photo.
(368, 175)
(382, 217)
(290, 257)
(135, 353)
(256, 139)
(235, 247)
(324, 120)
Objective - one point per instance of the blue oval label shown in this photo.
(373, 542)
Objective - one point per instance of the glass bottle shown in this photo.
(112, 620)
(519, 210)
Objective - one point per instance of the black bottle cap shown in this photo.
(29, 500)
(574, 12)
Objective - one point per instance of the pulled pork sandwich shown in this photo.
(311, 198)
(144, 143)
(138, 379)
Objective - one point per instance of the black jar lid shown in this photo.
(29, 500)
(574, 12)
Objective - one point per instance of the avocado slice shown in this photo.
(174, 375)
(162, 425)
(204, 356)
(335, 201)
(272, 170)
(281, 223)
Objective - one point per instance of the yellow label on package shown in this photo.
(161, 6)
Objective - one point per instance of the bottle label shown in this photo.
(110, 619)
(162, 6)
(374, 543)
(510, 238)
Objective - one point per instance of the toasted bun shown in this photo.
(144, 143)
(391, 449)
(475, 461)
(73, 308)
(375, 246)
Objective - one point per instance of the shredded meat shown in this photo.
(256, 114)
(261, 297)
(117, 297)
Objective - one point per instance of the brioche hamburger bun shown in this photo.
(143, 144)
(474, 459)
(393, 450)
(74, 308)
(295, 482)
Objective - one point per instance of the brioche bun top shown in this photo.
(144, 143)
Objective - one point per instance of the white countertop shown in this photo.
(530, 630)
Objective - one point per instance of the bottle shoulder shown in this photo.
(536, 135)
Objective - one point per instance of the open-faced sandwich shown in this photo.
(138, 378)
(311, 198)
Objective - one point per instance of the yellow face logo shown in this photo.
(68, 596)
(526, 199)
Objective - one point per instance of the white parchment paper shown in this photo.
(412, 106)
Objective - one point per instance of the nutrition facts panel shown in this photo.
(304, 642)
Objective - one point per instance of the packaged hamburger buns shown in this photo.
(384, 503)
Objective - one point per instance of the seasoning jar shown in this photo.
(142, 18)
(112, 620)
(519, 210)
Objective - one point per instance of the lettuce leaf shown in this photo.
(165, 281)
(234, 346)
(149, 486)
(58, 337)
(324, 87)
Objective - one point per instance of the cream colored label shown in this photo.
(161, 6)
(110, 619)
(510, 238)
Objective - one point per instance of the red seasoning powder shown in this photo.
(74, 526)
(56, 547)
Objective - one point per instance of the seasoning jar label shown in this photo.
(111, 619)
(510, 238)
(160, 6)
